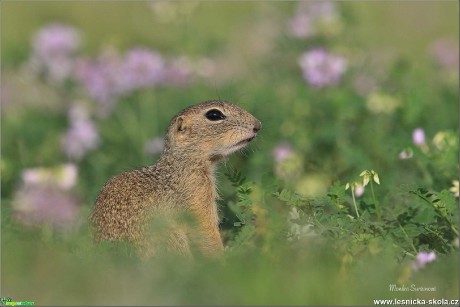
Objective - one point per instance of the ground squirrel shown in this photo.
(182, 181)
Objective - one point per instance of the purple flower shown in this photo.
(142, 68)
(154, 146)
(45, 197)
(418, 136)
(179, 72)
(44, 205)
(310, 16)
(108, 76)
(301, 26)
(445, 51)
(321, 69)
(54, 40)
(321, 9)
(282, 151)
(55, 70)
(93, 77)
(422, 259)
(81, 137)
(182, 70)
(54, 47)
(101, 79)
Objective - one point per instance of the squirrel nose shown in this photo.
(257, 127)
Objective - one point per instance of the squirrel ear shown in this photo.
(180, 124)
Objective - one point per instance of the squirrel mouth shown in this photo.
(245, 141)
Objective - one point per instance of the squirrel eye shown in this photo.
(214, 115)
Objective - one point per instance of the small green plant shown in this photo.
(353, 186)
(371, 177)
(443, 204)
(242, 207)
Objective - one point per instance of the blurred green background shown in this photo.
(401, 75)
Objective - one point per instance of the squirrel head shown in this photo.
(211, 130)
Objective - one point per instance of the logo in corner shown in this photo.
(5, 299)
(8, 301)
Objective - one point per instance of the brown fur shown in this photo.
(181, 182)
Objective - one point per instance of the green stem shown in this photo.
(354, 202)
(377, 208)
(444, 241)
(407, 253)
(408, 239)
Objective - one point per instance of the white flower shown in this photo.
(368, 175)
(455, 188)
(406, 154)
(293, 214)
(298, 232)
(67, 176)
(64, 176)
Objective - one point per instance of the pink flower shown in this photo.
(418, 136)
(54, 47)
(81, 137)
(44, 205)
(309, 15)
(142, 68)
(56, 70)
(108, 76)
(282, 151)
(322, 9)
(45, 197)
(301, 26)
(359, 191)
(101, 79)
(54, 40)
(422, 259)
(321, 69)
(178, 72)
(445, 51)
